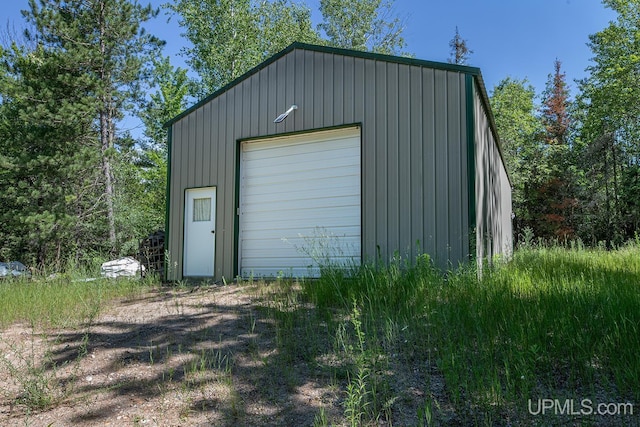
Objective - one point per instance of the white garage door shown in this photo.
(300, 203)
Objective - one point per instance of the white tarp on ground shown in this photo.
(123, 267)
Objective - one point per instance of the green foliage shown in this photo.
(514, 109)
(229, 37)
(62, 96)
(367, 25)
(49, 148)
(608, 141)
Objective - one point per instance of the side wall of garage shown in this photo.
(494, 233)
(414, 141)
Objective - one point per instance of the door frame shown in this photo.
(238, 176)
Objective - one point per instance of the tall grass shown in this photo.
(552, 322)
(60, 301)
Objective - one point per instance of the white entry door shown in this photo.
(199, 232)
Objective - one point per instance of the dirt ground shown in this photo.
(206, 356)
(191, 357)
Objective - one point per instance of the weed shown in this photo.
(38, 377)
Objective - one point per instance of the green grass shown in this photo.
(554, 322)
(60, 301)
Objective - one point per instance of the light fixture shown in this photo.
(284, 115)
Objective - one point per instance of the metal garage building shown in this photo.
(378, 155)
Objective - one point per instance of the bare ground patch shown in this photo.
(206, 356)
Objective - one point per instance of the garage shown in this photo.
(300, 203)
(321, 155)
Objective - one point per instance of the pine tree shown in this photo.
(556, 195)
(104, 41)
(459, 51)
(49, 147)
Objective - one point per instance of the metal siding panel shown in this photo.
(328, 90)
(442, 160)
(175, 238)
(262, 82)
(405, 213)
(454, 141)
(416, 163)
(219, 132)
(364, 75)
(298, 76)
(381, 173)
(338, 88)
(464, 170)
(288, 90)
(348, 90)
(318, 90)
(309, 90)
(480, 188)
(393, 167)
(273, 108)
(198, 164)
(206, 144)
(365, 111)
(429, 162)
(184, 167)
(230, 269)
(359, 92)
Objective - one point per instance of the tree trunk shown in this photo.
(106, 139)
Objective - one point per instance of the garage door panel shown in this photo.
(300, 194)
(305, 199)
(289, 158)
(281, 231)
(284, 176)
(254, 222)
(286, 146)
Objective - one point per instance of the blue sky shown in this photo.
(517, 38)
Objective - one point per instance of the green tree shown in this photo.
(104, 39)
(460, 52)
(609, 139)
(168, 101)
(368, 25)
(49, 144)
(514, 109)
(229, 37)
(556, 196)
